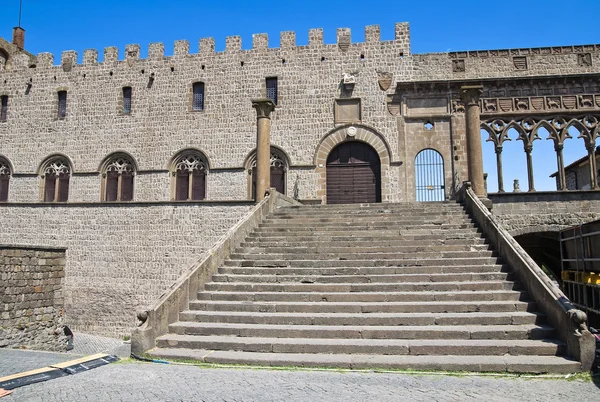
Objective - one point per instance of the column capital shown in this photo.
(263, 107)
(470, 94)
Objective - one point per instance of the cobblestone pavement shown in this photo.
(134, 381)
(86, 344)
(13, 361)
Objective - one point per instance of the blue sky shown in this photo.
(436, 26)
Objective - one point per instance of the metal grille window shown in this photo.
(272, 89)
(429, 167)
(4, 107)
(126, 100)
(62, 104)
(198, 96)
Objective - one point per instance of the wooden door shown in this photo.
(353, 174)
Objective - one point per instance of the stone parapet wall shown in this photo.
(522, 213)
(31, 296)
(120, 257)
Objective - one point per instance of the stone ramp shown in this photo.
(395, 286)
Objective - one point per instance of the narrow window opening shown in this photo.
(62, 104)
(282, 61)
(172, 69)
(198, 96)
(362, 56)
(4, 180)
(271, 83)
(242, 64)
(126, 100)
(3, 108)
(322, 58)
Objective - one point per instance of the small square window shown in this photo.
(272, 89)
(126, 100)
(198, 96)
(62, 104)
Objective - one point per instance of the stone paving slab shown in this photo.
(133, 381)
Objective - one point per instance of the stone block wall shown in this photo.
(162, 122)
(522, 213)
(119, 257)
(31, 296)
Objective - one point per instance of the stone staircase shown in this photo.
(394, 286)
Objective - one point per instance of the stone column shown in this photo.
(470, 96)
(499, 168)
(528, 149)
(562, 181)
(591, 148)
(263, 107)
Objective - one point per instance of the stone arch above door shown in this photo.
(351, 133)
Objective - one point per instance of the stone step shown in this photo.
(506, 363)
(525, 331)
(350, 235)
(349, 263)
(415, 347)
(431, 269)
(344, 249)
(363, 256)
(370, 319)
(376, 296)
(457, 222)
(362, 307)
(371, 230)
(361, 287)
(388, 241)
(371, 208)
(358, 214)
(340, 279)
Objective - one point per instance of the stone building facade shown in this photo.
(136, 166)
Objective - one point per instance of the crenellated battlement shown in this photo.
(233, 45)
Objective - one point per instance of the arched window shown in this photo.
(117, 178)
(56, 173)
(279, 166)
(4, 179)
(189, 171)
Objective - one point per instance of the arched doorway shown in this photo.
(353, 174)
(429, 176)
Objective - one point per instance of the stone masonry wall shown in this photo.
(119, 258)
(31, 296)
(522, 213)
(162, 122)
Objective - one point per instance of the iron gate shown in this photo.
(429, 176)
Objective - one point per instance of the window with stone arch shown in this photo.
(189, 170)
(5, 173)
(118, 172)
(55, 175)
(279, 167)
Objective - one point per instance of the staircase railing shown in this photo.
(155, 321)
(569, 322)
